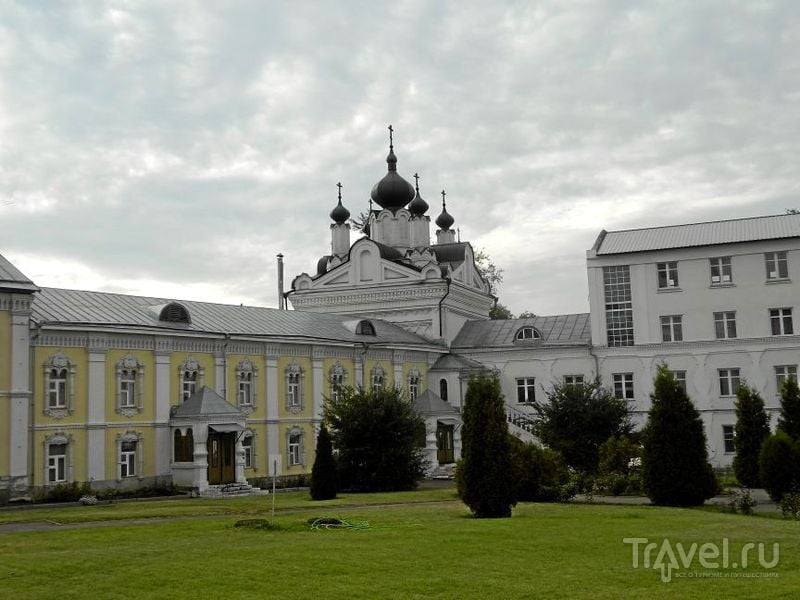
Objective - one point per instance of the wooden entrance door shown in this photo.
(444, 444)
(221, 467)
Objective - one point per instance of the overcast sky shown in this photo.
(174, 148)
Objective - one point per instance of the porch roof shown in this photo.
(205, 402)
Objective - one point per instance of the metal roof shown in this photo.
(555, 330)
(455, 362)
(75, 307)
(428, 403)
(11, 278)
(205, 402)
(699, 234)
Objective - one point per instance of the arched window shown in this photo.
(294, 387)
(337, 378)
(528, 333)
(191, 375)
(365, 328)
(443, 389)
(413, 384)
(175, 312)
(59, 385)
(130, 386)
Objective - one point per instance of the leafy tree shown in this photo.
(375, 434)
(541, 473)
(780, 465)
(789, 420)
(491, 273)
(526, 314)
(577, 419)
(485, 476)
(324, 479)
(499, 312)
(674, 461)
(752, 428)
(617, 455)
(360, 221)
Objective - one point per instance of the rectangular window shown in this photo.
(526, 389)
(337, 380)
(725, 325)
(667, 275)
(247, 444)
(293, 389)
(727, 439)
(127, 389)
(573, 379)
(784, 372)
(680, 378)
(413, 388)
(619, 305)
(244, 394)
(189, 384)
(672, 328)
(57, 392)
(721, 272)
(56, 463)
(294, 449)
(728, 382)
(777, 265)
(780, 320)
(623, 385)
(127, 459)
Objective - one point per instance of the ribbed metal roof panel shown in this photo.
(73, 307)
(555, 330)
(12, 278)
(701, 234)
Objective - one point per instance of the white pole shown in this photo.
(274, 476)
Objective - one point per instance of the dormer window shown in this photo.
(528, 333)
(175, 313)
(365, 328)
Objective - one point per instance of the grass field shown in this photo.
(420, 550)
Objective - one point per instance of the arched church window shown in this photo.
(443, 389)
(528, 333)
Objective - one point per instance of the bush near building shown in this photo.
(324, 478)
(779, 463)
(485, 476)
(752, 428)
(541, 473)
(675, 468)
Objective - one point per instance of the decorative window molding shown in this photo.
(377, 378)
(414, 379)
(246, 386)
(527, 333)
(295, 447)
(57, 459)
(295, 382)
(191, 376)
(130, 386)
(249, 447)
(59, 386)
(130, 461)
(337, 377)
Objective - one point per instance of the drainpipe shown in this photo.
(441, 326)
(596, 361)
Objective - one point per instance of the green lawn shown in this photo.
(414, 551)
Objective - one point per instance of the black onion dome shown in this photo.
(392, 192)
(339, 213)
(445, 220)
(418, 206)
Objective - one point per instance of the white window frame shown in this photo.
(780, 321)
(59, 386)
(337, 378)
(414, 379)
(667, 275)
(623, 386)
(528, 333)
(58, 462)
(526, 390)
(672, 328)
(130, 386)
(782, 372)
(249, 449)
(295, 451)
(728, 437)
(777, 265)
(377, 378)
(725, 322)
(191, 377)
(128, 459)
(730, 379)
(294, 378)
(721, 270)
(574, 380)
(680, 378)
(246, 385)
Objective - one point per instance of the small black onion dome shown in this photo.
(392, 192)
(339, 213)
(418, 206)
(445, 220)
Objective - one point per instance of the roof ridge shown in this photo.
(700, 223)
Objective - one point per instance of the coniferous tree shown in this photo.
(486, 474)
(675, 468)
(324, 479)
(752, 428)
(780, 465)
(789, 420)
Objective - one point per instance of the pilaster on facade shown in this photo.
(317, 383)
(20, 393)
(163, 373)
(271, 396)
